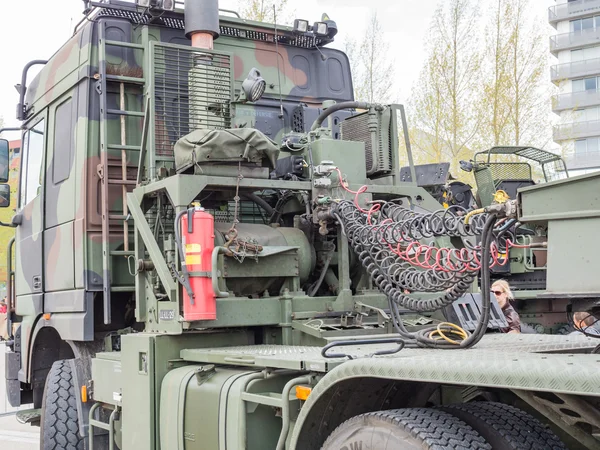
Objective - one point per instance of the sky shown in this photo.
(35, 29)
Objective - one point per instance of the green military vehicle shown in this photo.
(216, 248)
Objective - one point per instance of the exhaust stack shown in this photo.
(209, 80)
(202, 22)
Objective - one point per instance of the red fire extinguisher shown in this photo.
(198, 241)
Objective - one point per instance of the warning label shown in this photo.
(193, 248)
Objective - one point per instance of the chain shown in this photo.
(232, 232)
(246, 249)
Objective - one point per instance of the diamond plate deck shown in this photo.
(511, 346)
(490, 365)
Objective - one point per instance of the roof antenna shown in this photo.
(323, 57)
(278, 71)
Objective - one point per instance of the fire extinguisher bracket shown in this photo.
(201, 274)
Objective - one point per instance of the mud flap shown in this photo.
(82, 374)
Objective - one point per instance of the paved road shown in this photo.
(13, 435)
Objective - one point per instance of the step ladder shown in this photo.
(123, 146)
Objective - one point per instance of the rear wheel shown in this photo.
(405, 429)
(59, 423)
(506, 427)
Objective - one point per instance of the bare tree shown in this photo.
(262, 11)
(496, 95)
(371, 65)
(516, 94)
(444, 102)
(528, 64)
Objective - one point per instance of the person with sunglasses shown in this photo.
(503, 294)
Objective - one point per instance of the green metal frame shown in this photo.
(540, 156)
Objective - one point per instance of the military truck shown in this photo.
(216, 248)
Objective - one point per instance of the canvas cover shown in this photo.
(233, 145)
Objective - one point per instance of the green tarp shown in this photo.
(225, 146)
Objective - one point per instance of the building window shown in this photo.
(585, 84)
(586, 114)
(585, 24)
(583, 54)
(587, 146)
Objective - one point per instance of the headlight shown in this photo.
(300, 26)
(320, 29)
(254, 86)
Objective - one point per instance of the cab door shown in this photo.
(29, 257)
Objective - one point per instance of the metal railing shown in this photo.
(576, 130)
(574, 39)
(572, 10)
(573, 100)
(575, 69)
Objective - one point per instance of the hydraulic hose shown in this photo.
(399, 264)
(423, 336)
(285, 410)
(185, 279)
(337, 107)
(486, 306)
(259, 201)
(317, 285)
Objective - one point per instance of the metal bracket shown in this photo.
(205, 373)
(358, 342)
(581, 412)
(200, 274)
(382, 316)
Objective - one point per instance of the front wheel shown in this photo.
(60, 423)
(405, 429)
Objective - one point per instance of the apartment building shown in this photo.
(576, 46)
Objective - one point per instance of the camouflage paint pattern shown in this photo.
(59, 243)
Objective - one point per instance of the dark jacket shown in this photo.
(513, 319)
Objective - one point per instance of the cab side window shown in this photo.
(64, 142)
(33, 156)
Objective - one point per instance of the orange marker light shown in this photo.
(302, 392)
(47, 316)
(84, 397)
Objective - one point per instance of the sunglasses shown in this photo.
(498, 292)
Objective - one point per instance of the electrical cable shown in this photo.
(398, 264)
(319, 282)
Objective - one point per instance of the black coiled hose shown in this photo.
(394, 277)
(375, 245)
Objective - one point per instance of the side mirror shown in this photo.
(4, 195)
(4, 161)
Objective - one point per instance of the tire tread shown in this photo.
(438, 429)
(60, 428)
(521, 430)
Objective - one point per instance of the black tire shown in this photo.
(59, 423)
(405, 429)
(506, 427)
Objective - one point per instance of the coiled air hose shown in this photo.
(383, 250)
